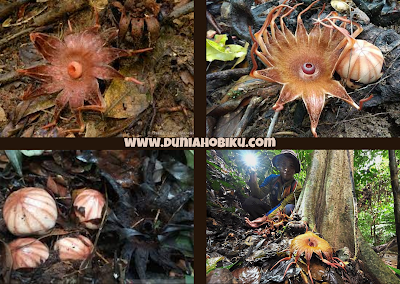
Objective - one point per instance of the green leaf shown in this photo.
(242, 57)
(226, 184)
(216, 185)
(211, 263)
(395, 270)
(214, 165)
(189, 279)
(31, 153)
(217, 50)
(189, 158)
(181, 242)
(15, 157)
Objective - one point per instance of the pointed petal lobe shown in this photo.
(48, 46)
(269, 74)
(314, 101)
(288, 94)
(336, 90)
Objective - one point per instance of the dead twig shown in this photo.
(185, 9)
(61, 8)
(8, 9)
(9, 77)
(13, 36)
(289, 133)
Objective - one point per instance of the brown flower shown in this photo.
(309, 244)
(303, 62)
(75, 65)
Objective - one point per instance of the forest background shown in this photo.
(371, 179)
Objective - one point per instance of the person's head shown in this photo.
(287, 164)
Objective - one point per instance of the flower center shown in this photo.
(308, 68)
(311, 243)
(75, 69)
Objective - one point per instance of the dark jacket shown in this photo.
(275, 194)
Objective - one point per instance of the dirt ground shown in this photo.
(143, 233)
(162, 107)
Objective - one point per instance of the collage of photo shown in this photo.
(112, 113)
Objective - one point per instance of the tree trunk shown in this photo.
(396, 196)
(327, 203)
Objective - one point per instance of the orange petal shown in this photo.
(334, 89)
(106, 72)
(314, 35)
(289, 35)
(301, 33)
(288, 93)
(269, 74)
(314, 101)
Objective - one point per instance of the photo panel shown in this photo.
(291, 69)
(97, 68)
(302, 216)
(107, 216)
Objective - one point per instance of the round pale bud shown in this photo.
(362, 64)
(88, 206)
(30, 211)
(77, 248)
(28, 253)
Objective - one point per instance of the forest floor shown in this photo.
(237, 252)
(239, 105)
(143, 234)
(162, 107)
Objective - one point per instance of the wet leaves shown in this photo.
(148, 229)
(248, 275)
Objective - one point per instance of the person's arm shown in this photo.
(290, 199)
(254, 188)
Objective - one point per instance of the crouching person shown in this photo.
(276, 192)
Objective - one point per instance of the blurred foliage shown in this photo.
(16, 157)
(371, 179)
(374, 195)
(230, 172)
(264, 168)
(395, 270)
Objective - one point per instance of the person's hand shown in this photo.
(252, 171)
(257, 222)
(251, 223)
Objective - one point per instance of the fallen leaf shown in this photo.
(26, 108)
(217, 50)
(125, 99)
(187, 78)
(91, 130)
(3, 116)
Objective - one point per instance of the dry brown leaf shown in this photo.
(125, 99)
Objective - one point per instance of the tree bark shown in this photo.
(396, 196)
(327, 203)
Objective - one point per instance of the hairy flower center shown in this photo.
(75, 69)
(308, 68)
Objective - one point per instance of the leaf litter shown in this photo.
(146, 231)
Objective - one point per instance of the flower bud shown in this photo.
(30, 211)
(88, 207)
(28, 253)
(77, 248)
(362, 64)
